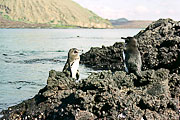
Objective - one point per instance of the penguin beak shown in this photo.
(79, 50)
(123, 38)
(126, 40)
(76, 51)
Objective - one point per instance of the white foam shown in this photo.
(1, 116)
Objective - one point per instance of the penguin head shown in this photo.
(73, 54)
(130, 41)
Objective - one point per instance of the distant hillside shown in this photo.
(119, 21)
(4, 23)
(50, 12)
(124, 23)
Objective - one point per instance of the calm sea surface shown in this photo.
(27, 56)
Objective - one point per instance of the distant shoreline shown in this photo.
(138, 24)
(70, 28)
(8, 24)
(74, 28)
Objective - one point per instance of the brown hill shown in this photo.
(4, 23)
(50, 12)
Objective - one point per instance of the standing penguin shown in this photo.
(72, 64)
(132, 56)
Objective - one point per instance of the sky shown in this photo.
(134, 9)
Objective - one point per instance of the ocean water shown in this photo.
(27, 56)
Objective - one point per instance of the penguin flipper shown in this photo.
(65, 67)
(77, 75)
(67, 70)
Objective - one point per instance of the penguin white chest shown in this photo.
(74, 68)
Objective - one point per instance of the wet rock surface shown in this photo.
(103, 95)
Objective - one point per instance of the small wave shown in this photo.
(25, 83)
(85, 37)
(97, 38)
(62, 38)
(40, 51)
(5, 54)
(14, 54)
(23, 54)
(1, 115)
(43, 61)
(60, 51)
(54, 60)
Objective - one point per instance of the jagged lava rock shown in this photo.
(103, 95)
(159, 45)
(105, 58)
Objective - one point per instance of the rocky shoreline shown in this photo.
(103, 95)
(114, 94)
(159, 45)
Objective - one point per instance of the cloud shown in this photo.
(110, 13)
(134, 9)
(171, 11)
(141, 9)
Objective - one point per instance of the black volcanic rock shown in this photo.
(103, 95)
(115, 95)
(159, 45)
(105, 58)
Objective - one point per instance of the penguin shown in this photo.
(133, 60)
(72, 63)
